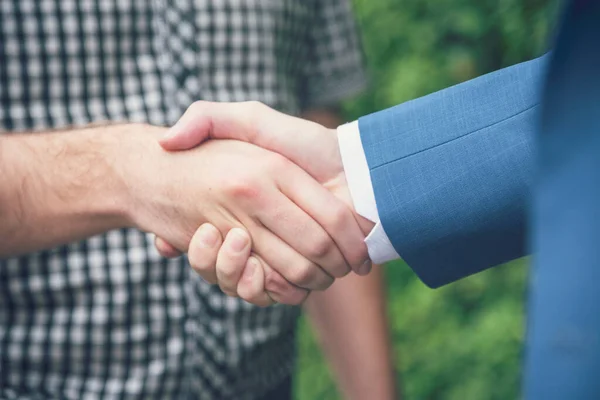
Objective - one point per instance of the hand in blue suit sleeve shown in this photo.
(452, 172)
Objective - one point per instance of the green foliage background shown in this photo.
(463, 341)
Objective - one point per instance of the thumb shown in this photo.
(190, 131)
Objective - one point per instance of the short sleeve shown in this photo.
(335, 69)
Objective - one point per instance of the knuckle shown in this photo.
(283, 291)
(306, 275)
(340, 271)
(339, 215)
(274, 282)
(241, 188)
(260, 299)
(321, 246)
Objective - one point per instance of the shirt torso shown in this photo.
(107, 317)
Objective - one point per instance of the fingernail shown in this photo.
(238, 240)
(208, 236)
(365, 268)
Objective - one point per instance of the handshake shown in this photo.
(258, 199)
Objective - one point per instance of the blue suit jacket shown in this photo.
(453, 171)
(454, 175)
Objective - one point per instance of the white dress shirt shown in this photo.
(361, 189)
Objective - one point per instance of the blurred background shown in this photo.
(463, 341)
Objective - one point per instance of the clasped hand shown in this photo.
(275, 215)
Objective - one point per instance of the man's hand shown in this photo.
(309, 145)
(293, 221)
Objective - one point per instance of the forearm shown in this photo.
(351, 324)
(60, 187)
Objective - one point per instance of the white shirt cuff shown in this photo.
(360, 185)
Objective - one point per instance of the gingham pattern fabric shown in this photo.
(107, 317)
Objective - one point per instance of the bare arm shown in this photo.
(60, 187)
(351, 324)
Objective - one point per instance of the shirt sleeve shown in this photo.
(361, 190)
(335, 64)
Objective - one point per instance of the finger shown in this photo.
(165, 249)
(256, 123)
(204, 120)
(266, 286)
(203, 252)
(290, 265)
(279, 289)
(192, 129)
(232, 259)
(335, 218)
(251, 286)
(301, 232)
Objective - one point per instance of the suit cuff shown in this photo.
(360, 185)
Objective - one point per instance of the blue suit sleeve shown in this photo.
(452, 172)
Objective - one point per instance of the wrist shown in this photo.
(135, 155)
(106, 183)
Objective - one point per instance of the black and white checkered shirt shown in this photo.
(107, 317)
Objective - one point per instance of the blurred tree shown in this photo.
(463, 341)
(415, 47)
